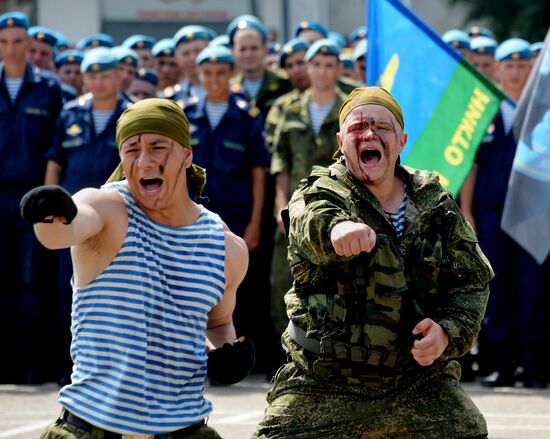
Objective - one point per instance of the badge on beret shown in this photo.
(40, 36)
(515, 55)
(481, 50)
(140, 44)
(242, 24)
(288, 50)
(129, 60)
(455, 43)
(142, 72)
(70, 58)
(324, 49)
(10, 22)
(95, 67)
(304, 25)
(95, 43)
(167, 52)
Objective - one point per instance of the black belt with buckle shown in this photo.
(67, 416)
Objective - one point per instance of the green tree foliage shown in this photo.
(527, 19)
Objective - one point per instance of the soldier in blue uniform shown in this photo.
(458, 40)
(514, 321)
(143, 46)
(360, 59)
(482, 55)
(68, 69)
(188, 43)
(95, 40)
(227, 139)
(166, 65)
(29, 106)
(128, 61)
(144, 85)
(357, 35)
(310, 30)
(41, 49)
(84, 153)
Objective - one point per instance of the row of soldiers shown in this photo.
(257, 126)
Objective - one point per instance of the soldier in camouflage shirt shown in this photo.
(380, 307)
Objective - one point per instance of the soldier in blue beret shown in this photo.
(478, 31)
(41, 50)
(144, 85)
(514, 321)
(63, 43)
(357, 35)
(243, 22)
(166, 65)
(348, 66)
(360, 58)
(536, 48)
(95, 40)
(143, 46)
(30, 101)
(221, 40)
(458, 40)
(338, 38)
(68, 69)
(482, 55)
(84, 153)
(128, 61)
(272, 58)
(310, 30)
(188, 41)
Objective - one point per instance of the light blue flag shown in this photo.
(526, 216)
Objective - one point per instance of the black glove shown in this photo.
(43, 201)
(232, 362)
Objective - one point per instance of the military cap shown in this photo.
(457, 39)
(43, 34)
(338, 38)
(69, 57)
(477, 31)
(98, 60)
(95, 40)
(164, 47)
(310, 25)
(125, 55)
(291, 47)
(483, 46)
(193, 32)
(536, 48)
(513, 49)
(246, 22)
(63, 42)
(222, 40)
(347, 61)
(358, 34)
(323, 46)
(14, 19)
(139, 42)
(360, 50)
(215, 55)
(274, 48)
(148, 75)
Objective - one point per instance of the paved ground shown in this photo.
(511, 413)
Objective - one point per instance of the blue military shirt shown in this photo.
(229, 153)
(86, 158)
(26, 128)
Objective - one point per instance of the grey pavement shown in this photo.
(511, 413)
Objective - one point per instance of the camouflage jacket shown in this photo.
(362, 309)
(275, 114)
(296, 148)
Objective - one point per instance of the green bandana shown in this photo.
(157, 116)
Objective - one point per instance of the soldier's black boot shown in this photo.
(533, 367)
(505, 374)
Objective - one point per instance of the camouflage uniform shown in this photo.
(360, 311)
(296, 149)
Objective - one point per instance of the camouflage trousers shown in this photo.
(281, 281)
(63, 430)
(432, 407)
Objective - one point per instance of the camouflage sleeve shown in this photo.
(313, 214)
(271, 121)
(281, 160)
(464, 287)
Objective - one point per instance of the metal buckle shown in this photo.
(138, 436)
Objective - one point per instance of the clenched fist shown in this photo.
(350, 239)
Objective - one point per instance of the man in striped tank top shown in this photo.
(153, 288)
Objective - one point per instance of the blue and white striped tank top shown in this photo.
(139, 328)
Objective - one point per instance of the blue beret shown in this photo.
(62, 41)
(360, 50)
(291, 47)
(347, 61)
(125, 55)
(164, 47)
(215, 54)
(139, 42)
(477, 31)
(98, 60)
(69, 57)
(311, 25)
(338, 38)
(95, 40)
(513, 49)
(148, 75)
(222, 40)
(323, 46)
(358, 34)
(14, 19)
(483, 46)
(193, 32)
(457, 39)
(536, 47)
(246, 22)
(274, 48)
(43, 34)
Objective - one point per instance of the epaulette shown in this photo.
(171, 91)
(83, 99)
